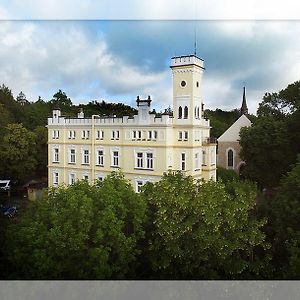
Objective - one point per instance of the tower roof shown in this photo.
(244, 108)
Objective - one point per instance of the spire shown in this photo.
(244, 108)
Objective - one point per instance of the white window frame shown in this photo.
(72, 178)
(55, 178)
(186, 135)
(115, 159)
(138, 185)
(72, 156)
(204, 158)
(197, 161)
(85, 157)
(55, 134)
(100, 157)
(56, 155)
(213, 157)
(180, 135)
(183, 161)
(140, 160)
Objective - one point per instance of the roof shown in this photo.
(232, 134)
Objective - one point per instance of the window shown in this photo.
(183, 83)
(115, 134)
(86, 157)
(134, 134)
(55, 178)
(72, 157)
(100, 135)
(72, 178)
(72, 134)
(212, 157)
(186, 134)
(100, 158)
(139, 135)
(115, 158)
(100, 177)
(230, 158)
(179, 135)
(150, 161)
(139, 185)
(85, 177)
(203, 158)
(139, 160)
(150, 135)
(183, 161)
(85, 134)
(55, 155)
(180, 112)
(144, 160)
(197, 161)
(198, 112)
(55, 134)
(186, 112)
(155, 134)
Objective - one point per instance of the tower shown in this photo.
(244, 108)
(187, 89)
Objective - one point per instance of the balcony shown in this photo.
(209, 140)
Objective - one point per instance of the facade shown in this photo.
(228, 143)
(143, 146)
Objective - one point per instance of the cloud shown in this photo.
(118, 60)
(152, 9)
(41, 57)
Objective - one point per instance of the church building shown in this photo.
(229, 142)
(143, 146)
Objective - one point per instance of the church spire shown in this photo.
(244, 108)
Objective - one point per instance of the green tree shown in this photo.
(79, 232)
(41, 141)
(202, 230)
(283, 211)
(271, 144)
(17, 153)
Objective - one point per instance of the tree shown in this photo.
(283, 213)
(21, 99)
(41, 141)
(61, 100)
(271, 144)
(79, 232)
(17, 153)
(201, 230)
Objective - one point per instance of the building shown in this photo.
(229, 142)
(143, 146)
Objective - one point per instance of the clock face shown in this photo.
(183, 83)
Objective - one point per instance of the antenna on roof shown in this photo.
(195, 29)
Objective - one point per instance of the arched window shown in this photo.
(186, 112)
(230, 158)
(180, 112)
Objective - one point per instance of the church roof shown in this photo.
(232, 134)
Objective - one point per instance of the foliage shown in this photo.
(201, 230)
(108, 109)
(18, 151)
(79, 232)
(283, 214)
(226, 175)
(41, 141)
(271, 144)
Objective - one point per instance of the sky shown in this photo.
(116, 60)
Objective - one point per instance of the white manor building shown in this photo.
(143, 146)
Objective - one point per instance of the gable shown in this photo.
(232, 134)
